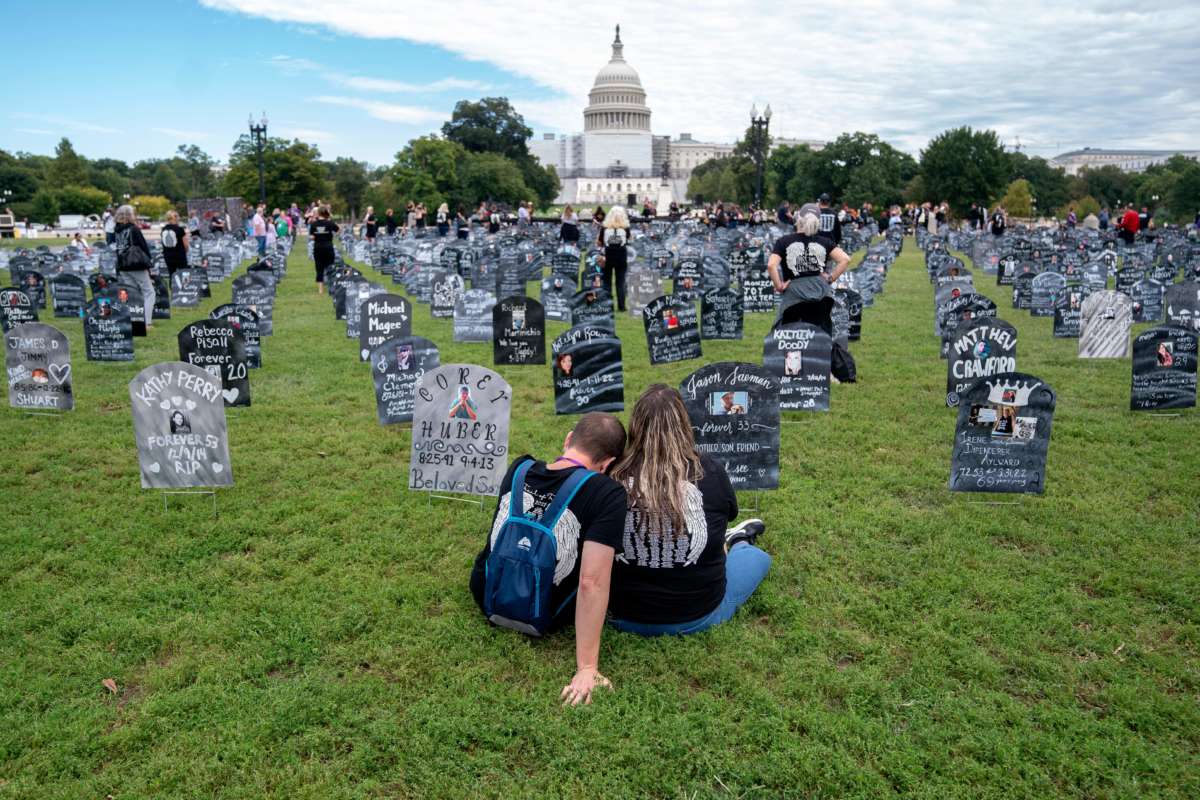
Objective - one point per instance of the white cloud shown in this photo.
(295, 66)
(306, 134)
(176, 133)
(388, 112)
(1063, 74)
(66, 122)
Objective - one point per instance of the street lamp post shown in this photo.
(760, 124)
(259, 134)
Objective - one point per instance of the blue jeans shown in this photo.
(262, 245)
(745, 568)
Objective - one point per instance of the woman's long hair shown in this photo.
(660, 458)
(617, 218)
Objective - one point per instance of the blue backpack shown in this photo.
(519, 571)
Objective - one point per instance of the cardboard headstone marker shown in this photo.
(978, 348)
(98, 282)
(245, 322)
(33, 283)
(219, 349)
(37, 359)
(1022, 292)
(518, 331)
(587, 371)
(592, 307)
(672, 329)
(344, 291)
(734, 411)
(1095, 275)
(179, 427)
(1068, 311)
(1164, 369)
(510, 279)
(16, 308)
(1006, 269)
(643, 283)
(460, 430)
(1002, 435)
(107, 331)
(1047, 287)
(253, 290)
(446, 288)
(162, 298)
(473, 316)
(356, 299)
(689, 277)
(1147, 299)
(852, 301)
(758, 293)
(70, 295)
(396, 367)
(799, 354)
(382, 317)
(186, 288)
(557, 292)
(1127, 277)
(132, 298)
(1182, 302)
(956, 310)
(720, 314)
(1104, 325)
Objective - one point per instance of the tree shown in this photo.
(151, 206)
(350, 183)
(490, 176)
(82, 200)
(427, 171)
(20, 180)
(1018, 200)
(964, 166)
(490, 126)
(44, 207)
(1108, 184)
(1049, 184)
(197, 168)
(1083, 206)
(292, 170)
(1184, 198)
(165, 183)
(68, 168)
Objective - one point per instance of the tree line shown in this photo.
(960, 166)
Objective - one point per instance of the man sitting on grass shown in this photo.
(507, 585)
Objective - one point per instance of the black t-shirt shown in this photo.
(997, 223)
(216, 225)
(390, 223)
(322, 232)
(831, 226)
(595, 514)
(802, 255)
(372, 226)
(172, 244)
(669, 578)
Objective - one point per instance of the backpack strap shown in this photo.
(564, 496)
(516, 492)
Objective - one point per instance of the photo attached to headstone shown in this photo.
(592, 307)
(518, 331)
(799, 355)
(557, 292)
(721, 314)
(132, 298)
(245, 322)
(1147, 296)
(978, 348)
(1105, 320)
(397, 365)
(381, 317)
(672, 329)
(460, 431)
(1002, 435)
(255, 291)
(186, 288)
(473, 316)
(37, 359)
(217, 347)
(16, 308)
(446, 288)
(1182, 305)
(1164, 369)
(734, 411)
(587, 371)
(107, 331)
(179, 427)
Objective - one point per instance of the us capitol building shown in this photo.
(617, 157)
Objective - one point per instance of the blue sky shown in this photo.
(360, 79)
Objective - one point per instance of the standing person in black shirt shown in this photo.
(174, 243)
(389, 222)
(133, 256)
(462, 225)
(799, 269)
(322, 232)
(679, 568)
(587, 535)
(614, 237)
(831, 226)
(371, 223)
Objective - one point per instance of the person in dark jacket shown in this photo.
(133, 256)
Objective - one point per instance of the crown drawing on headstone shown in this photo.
(1009, 393)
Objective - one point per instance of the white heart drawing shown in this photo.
(365, 353)
(218, 467)
(191, 405)
(153, 467)
(230, 395)
(164, 405)
(177, 401)
(60, 373)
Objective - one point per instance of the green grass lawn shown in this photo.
(317, 640)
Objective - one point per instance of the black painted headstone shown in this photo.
(219, 349)
(1022, 292)
(107, 331)
(445, 289)
(1047, 287)
(252, 289)
(162, 298)
(518, 331)
(689, 277)
(245, 321)
(853, 303)
(69, 295)
(672, 329)
(1164, 369)
(720, 314)
(1002, 435)
(1182, 303)
(1147, 296)
(557, 292)
(592, 307)
(37, 360)
(587, 371)
(510, 279)
(186, 288)
(356, 299)
(16, 308)
(179, 427)
(1068, 311)
(397, 365)
(132, 298)
(978, 348)
(33, 283)
(642, 285)
(382, 317)
(473, 316)
(758, 293)
(799, 354)
(734, 411)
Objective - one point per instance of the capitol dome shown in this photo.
(617, 101)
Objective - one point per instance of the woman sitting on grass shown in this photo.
(679, 570)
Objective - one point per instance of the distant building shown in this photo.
(1125, 160)
(617, 157)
